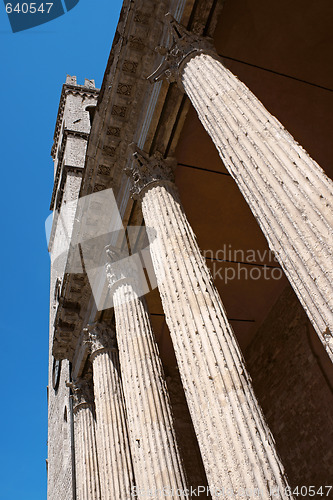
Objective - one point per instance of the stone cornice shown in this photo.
(68, 322)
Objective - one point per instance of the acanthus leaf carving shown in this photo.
(100, 337)
(82, 392)
(120, 269)
(148, 171)
(184, 46)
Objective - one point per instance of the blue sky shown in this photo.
(34, 64)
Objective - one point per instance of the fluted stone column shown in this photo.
(87, 474)
(156, 460)
(237, 449)
(114, 456)
(287, 191)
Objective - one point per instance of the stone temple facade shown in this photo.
(191, 258)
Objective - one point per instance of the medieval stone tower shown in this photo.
(68, 152)
(191, 246)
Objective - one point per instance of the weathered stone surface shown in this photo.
(156, 459)
(146, 172)
(114, 456)
(185, 433)
(59, 476)
(70, 140)
(87, 473)
(125, 90)
(237, 449)
(288, 192)
(292, 376)
(184, 46)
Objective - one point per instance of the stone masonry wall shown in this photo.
(59, 439)
(292, 378)
(75, 117)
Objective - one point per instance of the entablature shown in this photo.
(130, 109)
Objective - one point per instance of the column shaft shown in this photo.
(87, 474)
(156, 459)
(235, 443)
(289, 194)
(114, 456)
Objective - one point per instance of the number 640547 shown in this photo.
(29, 8)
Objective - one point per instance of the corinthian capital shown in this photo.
(82, 393)
(184, 46)
(148, 171)
(125, 270)
(100, 337)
